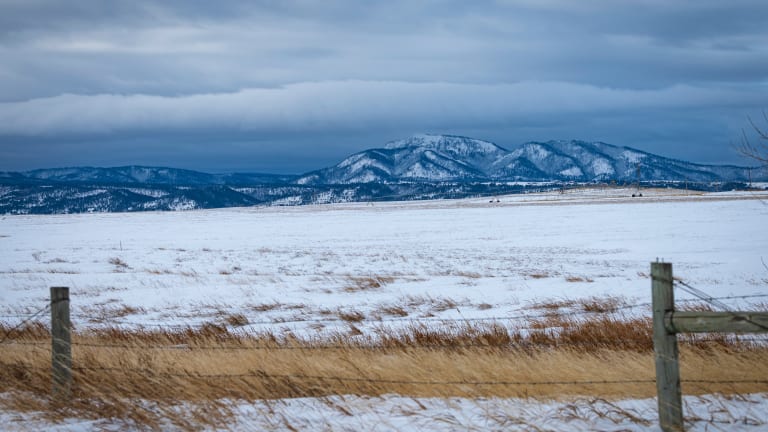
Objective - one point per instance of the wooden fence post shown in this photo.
(665, 350)
(61, 344)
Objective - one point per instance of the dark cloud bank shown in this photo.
(294, 85)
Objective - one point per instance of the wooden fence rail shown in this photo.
(667, 323)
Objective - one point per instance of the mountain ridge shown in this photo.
(434, 158)
(418, 167)
(427, 157)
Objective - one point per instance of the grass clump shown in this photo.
(206, 365)
(366, 283)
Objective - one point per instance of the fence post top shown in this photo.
(59, 293)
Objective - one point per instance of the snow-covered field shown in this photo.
(299, 268)
(393, 413)
(291, 267)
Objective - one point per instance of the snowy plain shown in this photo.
(289, 266)
(392, 413)
(296, 269)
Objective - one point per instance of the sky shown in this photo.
(290, 86)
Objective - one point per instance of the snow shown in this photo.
(182, 204)
(364, 177)
(632, 156)
(141, 175)
(432, 172)
(602, 167)
(426, 140)
(308, 179)
(539, 153)
(396, 413)
(361, 162)
(154, 193)
(89, 193)
(571, 172)
(186, 267)
(455, 145)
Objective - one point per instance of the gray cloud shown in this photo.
(349, 105)
(129, 71)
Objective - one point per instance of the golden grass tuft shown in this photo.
(236, 320)
(351, 316)
(143, 376)
(393, 310)
(366, 283)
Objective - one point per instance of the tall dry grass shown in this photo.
(143, 375)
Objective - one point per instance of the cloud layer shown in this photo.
(654, 74)
(350, 105)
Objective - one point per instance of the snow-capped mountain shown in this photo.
(420, 157)
(419, 167)
(454, 158)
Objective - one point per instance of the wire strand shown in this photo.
(713, 301)
(31, 317)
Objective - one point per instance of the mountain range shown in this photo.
(456, 158)
(418, 167)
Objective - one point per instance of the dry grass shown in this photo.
(392, 310)
(553, 305)
(104, 313)
(366, 283)
(265, 307)
(119, 263)
(442, 304)
(236, 320)
(605, 304)
(601, 304)
(579, 279)
(351, 316)
(208, 365)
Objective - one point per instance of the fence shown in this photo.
(667, 323)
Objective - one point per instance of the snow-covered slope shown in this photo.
(420, 157)
(419, 167)
(455, 158)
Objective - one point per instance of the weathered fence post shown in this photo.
(61, 344)
(665, 350)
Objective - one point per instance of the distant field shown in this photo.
(440, 299)
(437, 259)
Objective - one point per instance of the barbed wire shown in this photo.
(701, 295)
(264, 375)
(738, 297)
(46, 341)
(372, 347)
(713, 301)
(30, 318)
(409, 320)
(394, 343)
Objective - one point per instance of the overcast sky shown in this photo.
(289, 86)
